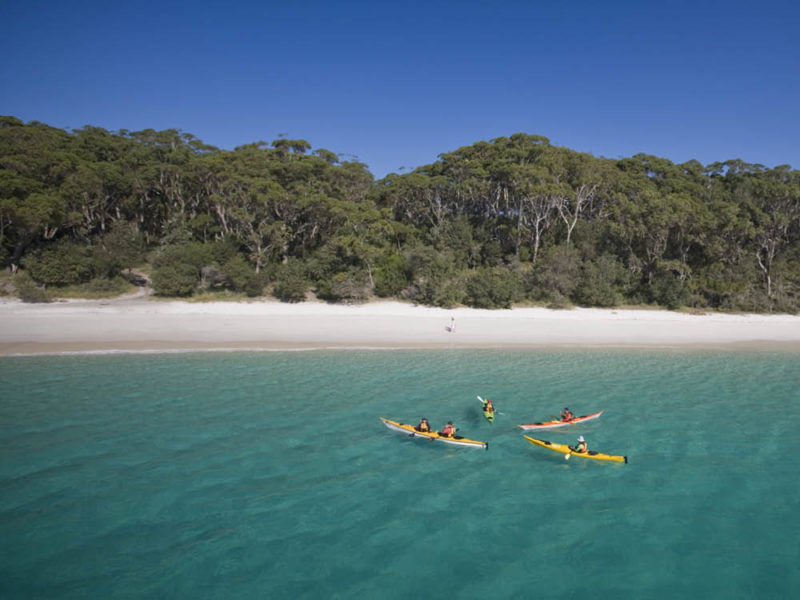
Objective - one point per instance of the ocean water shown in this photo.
(269, 475)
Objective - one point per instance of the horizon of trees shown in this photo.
(514, 219)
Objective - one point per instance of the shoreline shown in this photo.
(137, 324)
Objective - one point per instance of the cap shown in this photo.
(580, 438)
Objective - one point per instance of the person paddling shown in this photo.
(581, 447)
(566, 415)
(448, 430)
(423, 425)
(488, 407)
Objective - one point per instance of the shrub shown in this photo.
(601, 282)
(175, 280)
(61, 263)
(492, 288)
(28, 291)
(391, 276)
(241, 277)
(350, 286)
(290, 283)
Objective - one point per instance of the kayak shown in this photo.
(565, 449)
(488, 414)
(554, 424)
(456, 440)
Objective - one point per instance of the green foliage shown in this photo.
(669, 290)
(391, 276)
(290, 284)
(557, 276)
(27, 289)
(62, 263)
(178, 279)
(492, 288)
(348, 287)
(241, 277)
(121, 248)
(578, 228)
(602, 282)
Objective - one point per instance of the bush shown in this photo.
(175, 280)
(669, 290)
(290, 283)
(61, 263)
(121, 248)
(601, 282)
(350, 286)
(28, 291)
(556, 276)
(492, 288)
(391, 276)
(241, 277)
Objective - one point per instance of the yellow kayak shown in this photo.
(456, 440)
(565, 449)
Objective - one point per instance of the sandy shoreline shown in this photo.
(144, 325)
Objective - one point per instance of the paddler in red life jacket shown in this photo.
(566, 415)
(448, 430)
(423, 425)
(581, 447)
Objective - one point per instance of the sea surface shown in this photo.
(270, 475)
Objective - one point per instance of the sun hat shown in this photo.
(580, 438)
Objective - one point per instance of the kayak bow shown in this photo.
(433, 435)
(565, 449)
(554, 424)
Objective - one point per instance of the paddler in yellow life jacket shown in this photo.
(580, 448)
(423, 425)
(448, 430)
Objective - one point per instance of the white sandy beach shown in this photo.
(141, 324)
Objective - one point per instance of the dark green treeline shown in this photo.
(511, 220)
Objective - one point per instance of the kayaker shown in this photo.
(566, 415)
(581, 447)
(488, 407)
(448, 430)
(423, 425)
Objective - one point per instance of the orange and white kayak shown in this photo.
(556, 423)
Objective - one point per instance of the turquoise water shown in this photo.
(269, 475)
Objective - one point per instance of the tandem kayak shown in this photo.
(433, 435)
(554, 424)
(565, 449)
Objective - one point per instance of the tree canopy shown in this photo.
(509, 220)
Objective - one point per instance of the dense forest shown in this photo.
(510, 220)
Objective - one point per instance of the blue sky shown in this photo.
(396, 84)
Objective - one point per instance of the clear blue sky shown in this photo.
(396, 84)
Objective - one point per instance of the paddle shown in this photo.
(482, 401)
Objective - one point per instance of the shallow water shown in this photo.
(225, 475)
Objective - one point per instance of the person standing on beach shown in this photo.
(452, 324)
